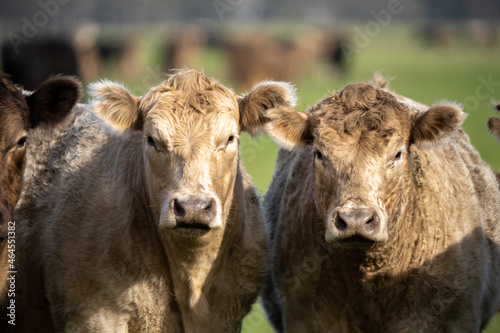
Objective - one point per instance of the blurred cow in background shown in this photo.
(184, 47)
(38, 59)
(260, 56)
(88, 53)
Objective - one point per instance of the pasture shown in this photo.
(458, 71)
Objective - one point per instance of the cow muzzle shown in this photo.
(356, 226)
(193, 214)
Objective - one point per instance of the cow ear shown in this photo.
(434, 126)
(494, 127)
(268, 107)
(289, 128)
(53, 100)
(494, 124)
(116, 106)
(265, 96)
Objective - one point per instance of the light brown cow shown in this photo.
(152, 227)
(20, 113)
(382, 219)
(259, 57)
(184, 47)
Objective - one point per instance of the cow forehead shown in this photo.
(191, 132)
(190, 105)
(13, 113)
(12, 125)
(12, 101)
(168, 118)
(188, 91)
(353, 129)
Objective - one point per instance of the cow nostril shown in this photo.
(208, 206)
(178, 209)
(372, 225)
(340, 223)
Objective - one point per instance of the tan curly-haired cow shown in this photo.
(150, 223)
(382, 218)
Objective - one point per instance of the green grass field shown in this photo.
(459, 72)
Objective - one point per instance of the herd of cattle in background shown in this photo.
(135, 214)
(89, 51)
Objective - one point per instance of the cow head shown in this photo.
(191, 126)
(20, 112)
(360, 143)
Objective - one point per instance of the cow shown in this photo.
(21, 112)
(184, 47)
(54, 55)
(259, 57)
(494, 128)
(381, 218)
(145, 219)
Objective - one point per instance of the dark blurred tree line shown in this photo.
(150, 11)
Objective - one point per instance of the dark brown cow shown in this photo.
(18, 114)
(382, 219)
(53, 56)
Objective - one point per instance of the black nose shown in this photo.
(194, 209)
(362, 222)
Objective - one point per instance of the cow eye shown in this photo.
(318, 155)
(230, 139)
(151, 142)
(21, 143)
(398, 155)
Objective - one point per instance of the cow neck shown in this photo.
(195, 262)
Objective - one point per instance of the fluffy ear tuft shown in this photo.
(494, 127)
(289, 128)
(433, 127)
(53, 100)
(116, 106)
(264, 96)
(494, 123)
